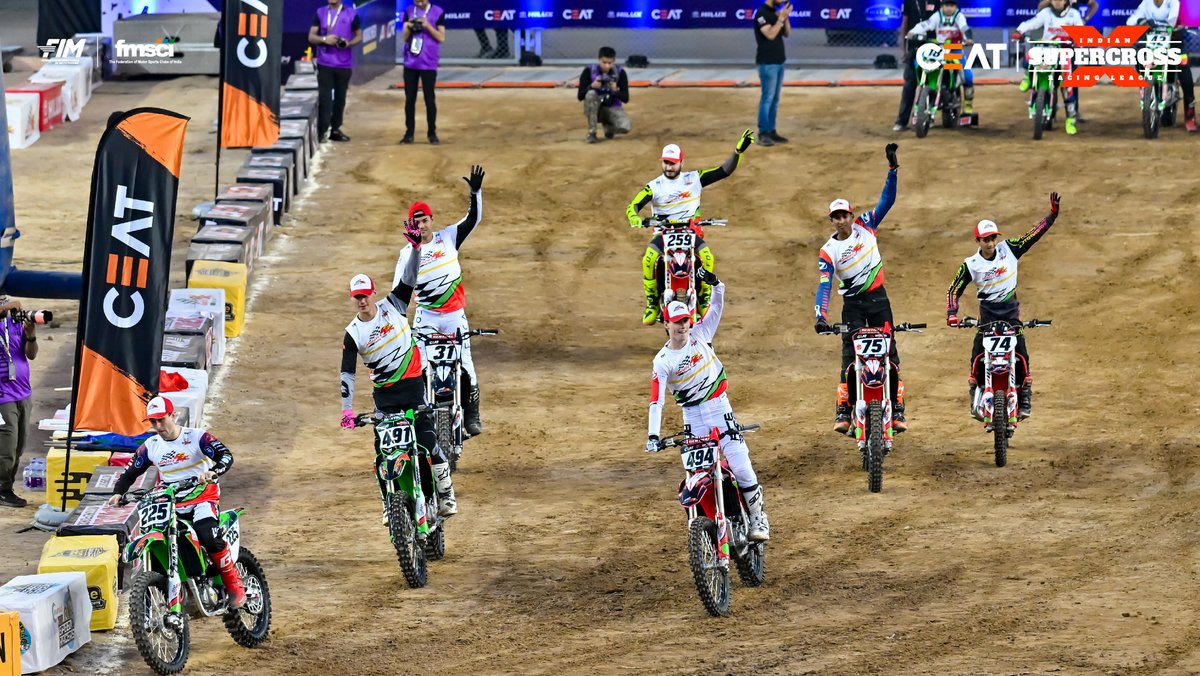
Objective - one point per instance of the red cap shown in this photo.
(159, 407)
(361, 285)
(419, 209)
(677, 311)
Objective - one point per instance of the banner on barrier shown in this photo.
(832, 14)
(126, 265)
(250, 72)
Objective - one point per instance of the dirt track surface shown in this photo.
(569, 551)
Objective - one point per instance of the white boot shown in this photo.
(447, 505)
(760, 530)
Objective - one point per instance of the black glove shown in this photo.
(476, 180)
(822, 326)
(1054, 204)
(744, 141)
(703, 275)
(890, 149)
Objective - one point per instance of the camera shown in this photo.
(605, 91)
(37, 316)
(414, 24)
(341, 42)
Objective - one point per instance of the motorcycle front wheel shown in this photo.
(163, 647)
(1041, 105)
(403, 531)
(924, 116)
(1000, 429)
(875, 447)
(1150, 112)
(250, 624)
(712, 580)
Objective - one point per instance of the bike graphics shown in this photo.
(443, 387)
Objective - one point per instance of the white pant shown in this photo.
(703, 417)
(425, 320)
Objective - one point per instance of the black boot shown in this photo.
(471, 412)
(1024, 402)
(10, 499)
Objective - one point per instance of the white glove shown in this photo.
(652, 444)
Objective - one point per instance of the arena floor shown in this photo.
(569, 553)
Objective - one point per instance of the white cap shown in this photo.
(677, 310)
(361, 284)
(986, 228)
(159, 407)
(672, 153)
(839, 204)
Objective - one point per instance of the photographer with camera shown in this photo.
(604, 88)
(335, 29)
(423, 35)
(18, 344)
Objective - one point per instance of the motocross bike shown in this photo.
(1046, 82)
(677, 266)
(998, 380)
(411, 501)
(718, 518)
(176, 580)
(1160, 96)
(938, 89)
(443, 387)
(872, 376)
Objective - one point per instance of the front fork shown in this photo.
(860, 406)
(174, 584)
(987, 402)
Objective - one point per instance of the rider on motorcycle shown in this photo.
(1051, 19)
(949, 25)
(994, 270)
(381, 334)
(676, 195)
(1166, 12)
(182, 453)
(688, 368)
(852, 256)
(441, 298)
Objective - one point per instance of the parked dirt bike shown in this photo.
(176, 580)
(677, 267)
(999, 379)
(938, 89)
(416, 530)
(717, 518)
(872, 376)
(443, 387)
(1046, 82)
(1161, 97)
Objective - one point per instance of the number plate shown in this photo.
(872, 346)
(697, 458)
(394, 435)
(1002, 344)
(154, 515)
(679, 240)
(443, 352)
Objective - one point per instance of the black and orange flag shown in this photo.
(250, 60)
(126, 266)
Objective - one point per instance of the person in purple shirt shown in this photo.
(424, 33)
(335, 30)
(18, 344)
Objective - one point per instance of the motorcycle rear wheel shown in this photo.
(250, 624)
(752, 564)
(875, 447)
(164, 649)
(403, 531)
(712, 581)
(435, 544)
(443, 425)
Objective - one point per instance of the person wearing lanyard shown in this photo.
(335, 30)
(424, 33)
(18, 345)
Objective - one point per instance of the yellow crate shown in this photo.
(96, 557)
(83, 463)
(10, 643)
(229, 276)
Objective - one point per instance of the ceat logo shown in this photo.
(836, 13)
(666, 14)
(499, 14)
(577, 14)
(252, 29)
(744, 14)
(131, 270)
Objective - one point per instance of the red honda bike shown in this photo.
(677, 272)
(998, 380)
(871, 373)
(718, 517)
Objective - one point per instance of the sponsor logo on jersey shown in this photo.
(850, 253)
(994, 273)
(688, 362)
(176, 457)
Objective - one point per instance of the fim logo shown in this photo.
(62, 48)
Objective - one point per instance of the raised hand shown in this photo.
(476, 179)
(745, 141)
(412, 233)
(1054, 203)
(890, 149)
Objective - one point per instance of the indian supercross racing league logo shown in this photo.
(1116, 56)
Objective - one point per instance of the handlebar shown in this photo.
(675, 439)
(174, 488)
(843, 328)
(971, 323)
(364, 419)
(473, 332)
(656, 222)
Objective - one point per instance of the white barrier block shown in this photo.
(55, 613)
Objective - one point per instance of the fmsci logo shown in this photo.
(62, 48)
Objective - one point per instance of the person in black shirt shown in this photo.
(771, 25)
(915, 11)
(604, 88)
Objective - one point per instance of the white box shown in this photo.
(22, 112)
(211, 301)
(76, 76)
(56, 611)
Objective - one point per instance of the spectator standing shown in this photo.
(335, 30)
(771, 26)
(424, 33)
